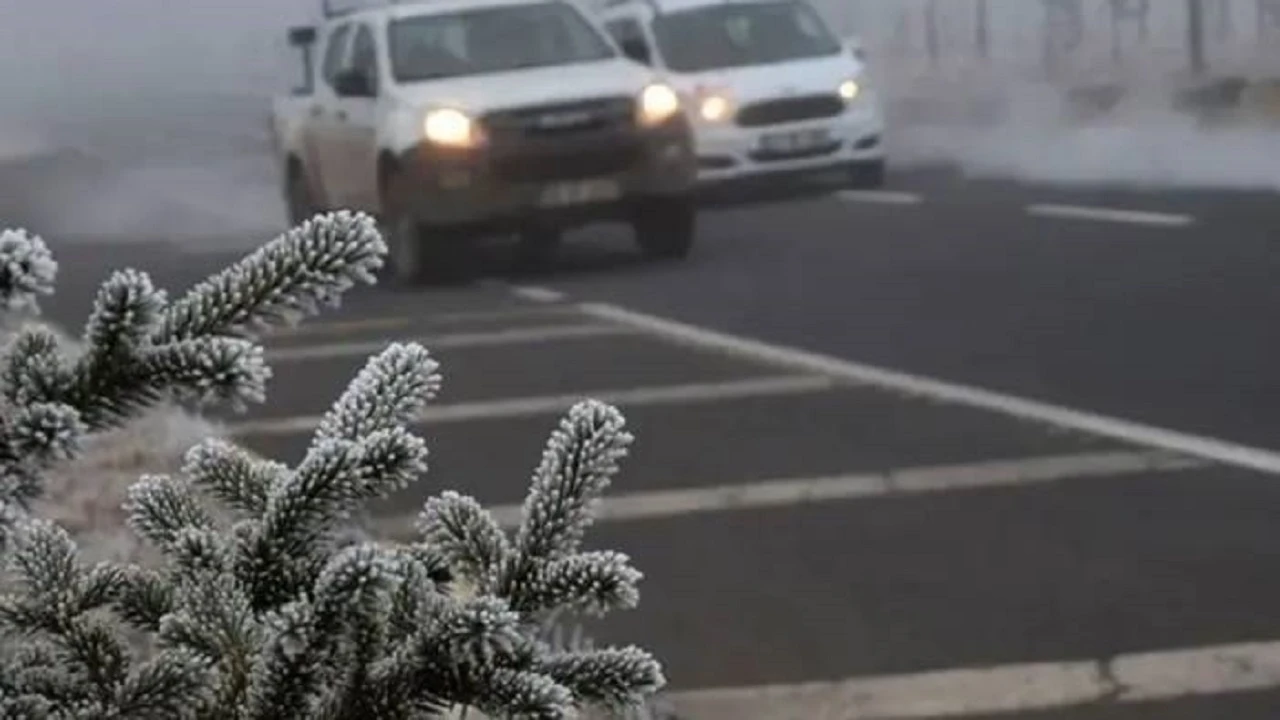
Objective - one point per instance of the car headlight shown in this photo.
(658, 103)
(715, 107)
(849, 90)
(450, 127)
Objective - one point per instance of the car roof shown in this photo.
(414, 8)
(671, 5)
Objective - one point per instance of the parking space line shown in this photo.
(1136, 677)
(341, 327)
(550, 404)
(1101, 214)
(880, 197)
(1207, 448)
(701, 498)
(388, 324)
(527, 335)
(538, 294)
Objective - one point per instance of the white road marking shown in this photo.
(350, 327)
(538, 294)
(703, 498)
(1203, 671)
(1208, 448)
(547, 333)
(341, 327)
(542, 405)
(1100, 214)
(880, 197)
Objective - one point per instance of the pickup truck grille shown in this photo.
(563, 141)
(793, 109)
(566, 163)
(560, 119)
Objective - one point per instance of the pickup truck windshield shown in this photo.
(737, 34)
(492, 39)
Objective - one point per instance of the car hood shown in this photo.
(529, 86)
(760, 82)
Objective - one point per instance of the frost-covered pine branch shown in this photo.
(27, 270)
(140, 348)
(275, 612)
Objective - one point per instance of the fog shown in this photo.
(1140, 143)
(142, 117)
(148, 118)
(1000, 116)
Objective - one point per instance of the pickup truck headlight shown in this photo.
(658, 103)
(452, 128)
(849, 90)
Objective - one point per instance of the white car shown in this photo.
(455, 118)
(769, 86)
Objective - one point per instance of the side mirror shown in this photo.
(353, 83)
(855, 48)
(636, 49)
(302, 36)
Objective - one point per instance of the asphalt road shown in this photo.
(808, 521)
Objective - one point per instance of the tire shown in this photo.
(867, 175)
(536, 248)
(420, 253)
(299, 200)
(406, 256)
(665, 229)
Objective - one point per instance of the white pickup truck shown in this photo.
(449, 119)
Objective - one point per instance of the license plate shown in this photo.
(579, 192)
(798, 141)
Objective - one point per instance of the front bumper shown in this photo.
(561, 182)
(728, 152)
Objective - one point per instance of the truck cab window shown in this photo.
(333, 53)
(485, 40)
(364, 59)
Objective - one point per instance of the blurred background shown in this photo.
(149, 116)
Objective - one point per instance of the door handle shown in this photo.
(342, 115)
(316, 111)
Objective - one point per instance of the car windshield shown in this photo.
(742, 33)
(492, 39)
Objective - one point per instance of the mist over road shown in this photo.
(148, 117)
(141, 116)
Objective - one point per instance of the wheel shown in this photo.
(410, 256)
(665, 229)
(301, 204)
(867, 174)
(420, 254)
(536, 248)
(405, 251)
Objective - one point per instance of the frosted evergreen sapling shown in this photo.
(267, 604)
(139, 348)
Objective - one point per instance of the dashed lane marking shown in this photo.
(528, 335)
(549, 404)
(1137, 677)
(1208, 448)
(703, 498)
(880, 197)
(1114, 215)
